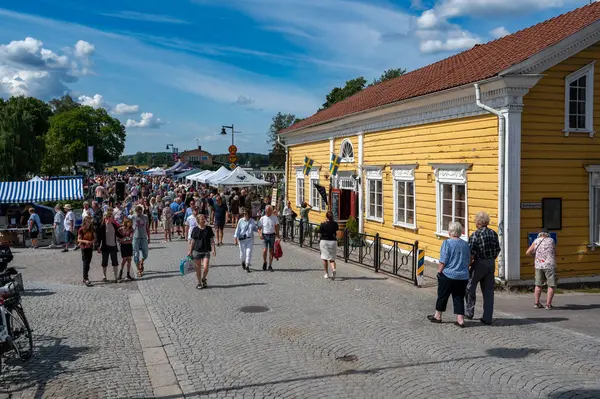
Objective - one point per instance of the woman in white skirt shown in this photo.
(244, 236)
(328, 243)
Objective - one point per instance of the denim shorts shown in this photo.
(269, 241)
(200, 255)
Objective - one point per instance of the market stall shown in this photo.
(239, 178)
(29, 194)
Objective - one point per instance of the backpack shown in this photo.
(277, 251)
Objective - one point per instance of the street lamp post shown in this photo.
(224, 132)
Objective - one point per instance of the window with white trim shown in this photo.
(579, 100)
(347, 151)
(299, 187)
(404, 195)
(374, 194)
(451, 196)
(594, 210)
(315, 197)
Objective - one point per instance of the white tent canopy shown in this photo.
(239, 177)
(198, 175)
(37, 178)
(218, 175)
(157, 172)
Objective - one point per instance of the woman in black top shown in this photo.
(328, 243)
(203, 239)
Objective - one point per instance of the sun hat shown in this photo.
(68, 207)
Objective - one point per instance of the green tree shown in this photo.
(279, 122)
(338, 94)
(391, 73)
(72, 131)
(23, 124)
(63, 104)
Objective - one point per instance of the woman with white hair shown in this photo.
(453, 275)
(544, 251)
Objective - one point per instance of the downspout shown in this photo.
(501, 182)
(285, 171)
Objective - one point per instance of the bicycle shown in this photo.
(15, 332)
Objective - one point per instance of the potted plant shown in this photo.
(352, 226)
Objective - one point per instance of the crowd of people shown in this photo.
(196, 215)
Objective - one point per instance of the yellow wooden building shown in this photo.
(507, 127)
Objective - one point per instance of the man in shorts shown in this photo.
(268, 230)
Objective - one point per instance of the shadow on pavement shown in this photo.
(359, 278)
(522, 322)
(495, 352)
(576, 393)
(236, 285)
(153, 248)
(578, 307)
(295, 270)
(37, 292)
(47, 364)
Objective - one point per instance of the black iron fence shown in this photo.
(373, 251)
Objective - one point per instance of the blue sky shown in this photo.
(176, 71)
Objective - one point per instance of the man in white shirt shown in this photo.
(268, 230)
(69, 227)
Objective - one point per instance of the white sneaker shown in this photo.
(326, 276)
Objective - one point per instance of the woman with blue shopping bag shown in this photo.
(244, 236)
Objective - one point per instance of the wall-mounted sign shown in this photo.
(552, 213)
(532, 236)
(531, 205)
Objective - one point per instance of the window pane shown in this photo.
(459, 210)
(462, 223)
(580, 95)
(410, 217)
(410, 188)
(572, 107)
(446, 222)
(573, 92)
(460, 192)
(582, 81)
(581, 122)
(401, 188)
(573, 122)
(447, 207)
(372, 197)
(581, 108)
(410, 202)
(379, 211)
(447, 191)
(401, 216)
(372, 209)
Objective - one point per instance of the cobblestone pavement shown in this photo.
(362, 335)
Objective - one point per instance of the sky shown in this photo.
(174, 72)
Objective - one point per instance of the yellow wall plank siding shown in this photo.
(470, 140)
(553, 167)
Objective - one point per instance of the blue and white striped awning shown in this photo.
(40, 191)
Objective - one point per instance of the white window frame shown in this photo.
(404, 174)
(374, 174)
(452, 174)
(315, 197)
(594, 182)
(346, 159)
(345, 176)
(588, 71)
(300, 187)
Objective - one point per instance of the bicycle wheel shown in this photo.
(21, 333)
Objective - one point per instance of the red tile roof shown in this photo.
(479, 63)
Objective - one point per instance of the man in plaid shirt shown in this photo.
(485, 248)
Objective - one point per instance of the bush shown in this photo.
(352, 226)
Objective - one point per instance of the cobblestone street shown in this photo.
(362, 335)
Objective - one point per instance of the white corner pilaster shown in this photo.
(512, 193)
(330, 146)
(360, 185)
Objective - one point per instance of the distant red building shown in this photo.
(196, 157)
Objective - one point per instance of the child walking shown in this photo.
(126, 248)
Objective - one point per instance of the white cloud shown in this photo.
(140, 16)
(499, 32)
(149, 121)
(123, 109)
(27, 68)
(84, 49)
(95, 102)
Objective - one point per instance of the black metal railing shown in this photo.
(381, 254)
